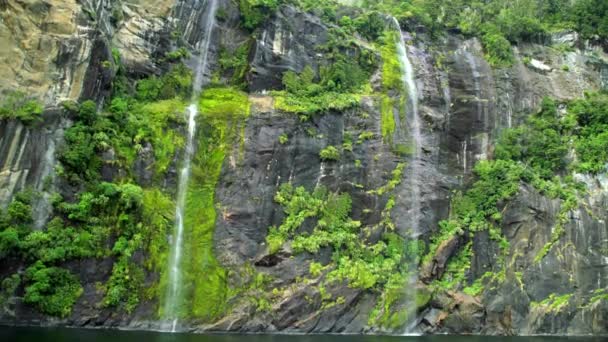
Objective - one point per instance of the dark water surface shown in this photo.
(72, 335)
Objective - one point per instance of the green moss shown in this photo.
(158, 215)
(283, 139)
(176, 83)
(391, 67)
(223, 111)
(456, 269)
(381, 267)
(158, 118)
(598, 295)
(396, 177)
(478, 286)
(387, 106)
(553, 303)
(315, 269)
(364, 136)
(423, 298)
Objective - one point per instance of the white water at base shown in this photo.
(174, 295)
(409, 83)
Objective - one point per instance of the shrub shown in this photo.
(9, 242)
(87, 112)
(52, 290)
(177, 82)
(237, 63)
(255, 12)
(330, 153)
(497, 49)
(370, 25)
(177, 55)
(17, 105)
(336, 88)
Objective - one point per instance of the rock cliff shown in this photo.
(78, 50)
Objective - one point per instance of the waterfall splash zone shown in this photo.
(409, 84)
(174, 301)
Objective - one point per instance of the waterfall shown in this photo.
(409, 83)
(174, 294)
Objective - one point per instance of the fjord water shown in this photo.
(77, 335)
(174, 294)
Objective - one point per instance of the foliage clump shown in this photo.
(538, 153)
(52, 290)
(380, 266)
(17, 105)
(337, 89)
(330, 153)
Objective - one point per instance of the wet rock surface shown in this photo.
(464, 104)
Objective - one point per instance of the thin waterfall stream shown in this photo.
(409, 84)
(174, 294)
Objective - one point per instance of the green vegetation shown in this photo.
(598, 295)
(8, 287)
(393, 94)
(536, 153)
(391, 67)
(591, 115)
(498, 22)
(176, 83)
(329, 153)
(338, 89)
(17, 105)
(115, 219)
(553, 303)
(255, 12)
(387, 106)
(52, 290)
(222, 119)
(340, 81)
(382, 266)
(236, 64)
(364, 136)
(177, 55)
(362, 266)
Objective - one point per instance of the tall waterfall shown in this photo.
(407, 77)
(174, 295)
(409, 84)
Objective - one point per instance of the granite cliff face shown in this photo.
(58, 51)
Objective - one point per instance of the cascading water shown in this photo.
(407, 76)
(173, 297)
(409, 83)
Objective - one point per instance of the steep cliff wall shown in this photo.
(83, 50)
